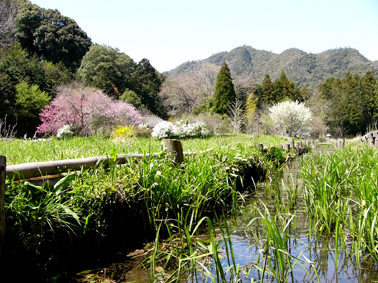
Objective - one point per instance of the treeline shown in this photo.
(341, 107)
(282, 88)
(346, 106)
(41, 49)
(351, 103)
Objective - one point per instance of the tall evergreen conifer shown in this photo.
(224, 90)
(267, 90)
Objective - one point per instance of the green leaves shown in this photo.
(51, 36)
(351, 101)
(106, 68)
(224, 90)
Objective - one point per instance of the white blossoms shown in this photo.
(64, 132)
(291, 118)
(163, 130)
(180, 129)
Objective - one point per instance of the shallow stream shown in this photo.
(314, 259)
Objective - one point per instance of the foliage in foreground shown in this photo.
(341, 195)
(94, 209)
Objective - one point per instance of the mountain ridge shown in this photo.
(304, 69)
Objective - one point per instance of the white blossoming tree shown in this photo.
(291, 118)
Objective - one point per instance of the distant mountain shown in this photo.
(304, 69)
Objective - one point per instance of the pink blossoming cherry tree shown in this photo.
(85, 110)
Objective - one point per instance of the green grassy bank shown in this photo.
(94, 213)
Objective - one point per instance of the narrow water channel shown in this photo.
(314, 259)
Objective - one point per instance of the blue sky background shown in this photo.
(171, 32)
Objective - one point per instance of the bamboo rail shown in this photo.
(49, 168)
(370, 137)
(52, 168)
(37, 169)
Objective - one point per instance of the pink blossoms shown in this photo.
(86, 110)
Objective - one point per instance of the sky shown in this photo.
(172, 32)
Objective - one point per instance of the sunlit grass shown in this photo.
(173, 199)
(341, 194)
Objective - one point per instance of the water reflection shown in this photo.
(317, 256)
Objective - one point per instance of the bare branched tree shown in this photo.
(8, 12)
(235, 115)
(243, 87)
(182, 93)
(7, 131)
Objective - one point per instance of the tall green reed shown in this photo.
(37, 215)
(270, 234)
(342, 197)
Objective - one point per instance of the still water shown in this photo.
(314, 259)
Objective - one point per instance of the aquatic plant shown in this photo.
(341, 196)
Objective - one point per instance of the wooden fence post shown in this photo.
(174, 149)
(3, 164)
(292, 144)
(298, 146)
(371, 139)
(286, 147)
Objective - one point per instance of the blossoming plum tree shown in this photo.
(291, 118)
(85, 110)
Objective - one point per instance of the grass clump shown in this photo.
(341, 195)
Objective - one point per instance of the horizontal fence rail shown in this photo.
(37, 169)
(370, 138)
(50, 169)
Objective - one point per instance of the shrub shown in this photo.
(123, 132)
(215, 124)
(163, 130)
(180, 129)
(198, 129)
(64, 132)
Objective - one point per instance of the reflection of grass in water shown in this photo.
(340, 194)
(270, 234)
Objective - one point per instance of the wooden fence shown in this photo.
(370, 138)
(44, 170)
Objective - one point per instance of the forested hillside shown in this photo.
(42, 50)
(46, 59)
(304, 69)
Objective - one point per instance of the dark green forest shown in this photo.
(42, 49)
